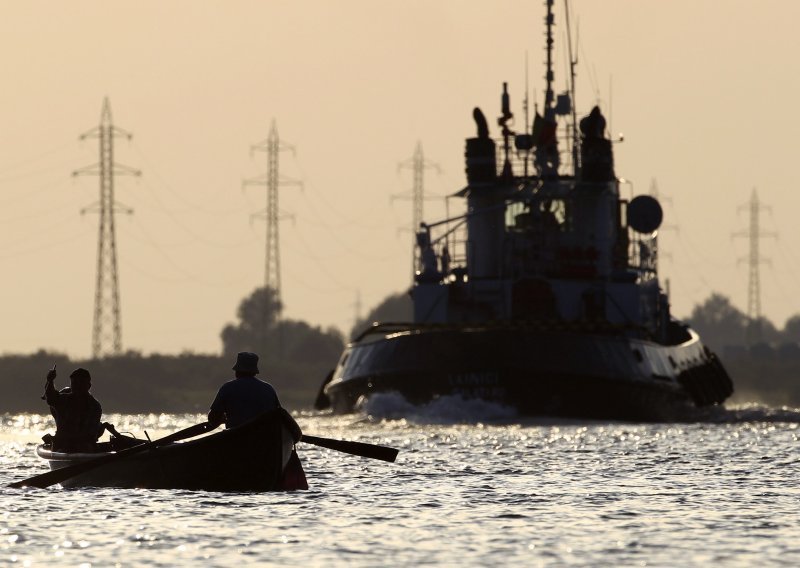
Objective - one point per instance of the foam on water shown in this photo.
(442, 410)
(751, 412)
(458, 410)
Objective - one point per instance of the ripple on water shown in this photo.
(722, 490)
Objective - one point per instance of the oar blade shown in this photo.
(362, 449)
(62, 474)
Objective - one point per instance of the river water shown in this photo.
(473, 485)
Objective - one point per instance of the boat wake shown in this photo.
(750, 412)
(458, 410)
(442, 410)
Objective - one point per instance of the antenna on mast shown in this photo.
(547, 159)
(507, 115)
(525, 103)
(526, 108)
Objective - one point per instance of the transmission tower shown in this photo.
(272, 179)
(418, 165)
(107, 330)
(754, 259)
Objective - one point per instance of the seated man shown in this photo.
(247, 397)
(76, 411)
(244, 397)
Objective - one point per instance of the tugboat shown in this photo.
(544, 296)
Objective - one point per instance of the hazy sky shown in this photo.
(704, 91)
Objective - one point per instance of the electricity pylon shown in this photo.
(418, 165)
(107, 329)
(272, 179)
(754, 260)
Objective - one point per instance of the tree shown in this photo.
(257, 316)
(260, 330)
(719, 323)
(302, 342)
(761, 330)
(791, 330)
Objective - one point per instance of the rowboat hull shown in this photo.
(251, 457)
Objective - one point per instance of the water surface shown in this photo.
(499, 490)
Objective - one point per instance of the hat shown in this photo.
(246, 363)
(80, 373)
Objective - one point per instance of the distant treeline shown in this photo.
(763, 361)
(294, 356)
(133, 383)
(723, 326)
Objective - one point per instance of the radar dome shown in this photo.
(644, 214)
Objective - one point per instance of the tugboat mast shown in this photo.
(576, 165)
(548, 97)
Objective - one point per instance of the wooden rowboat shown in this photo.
(257, 456)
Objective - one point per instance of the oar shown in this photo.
(62, 474)
(356, 448)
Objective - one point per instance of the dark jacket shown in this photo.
(77, 419)
(243, 399)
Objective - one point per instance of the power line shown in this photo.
(5, 168)
(654, 192)
(332, 210)
(216, 212)
(107, 329)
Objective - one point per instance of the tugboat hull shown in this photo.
(535, 371)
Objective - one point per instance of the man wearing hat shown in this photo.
(244, 397)
(76, 411)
